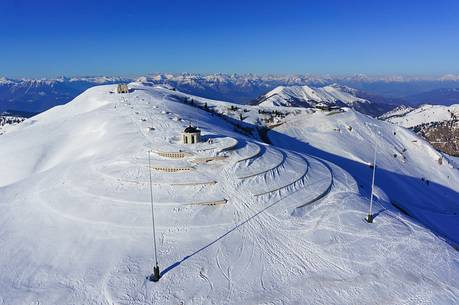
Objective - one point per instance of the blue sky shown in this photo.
(51, 38)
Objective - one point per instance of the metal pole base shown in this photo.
(370, 218)
(156, 274)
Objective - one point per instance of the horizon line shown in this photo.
(436, 76)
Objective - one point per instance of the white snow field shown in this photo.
(257, 224)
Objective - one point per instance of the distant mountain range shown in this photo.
(244, 88)
(37, 95)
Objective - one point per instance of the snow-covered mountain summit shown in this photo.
(306, 96)
(238, 221)
(332, 95)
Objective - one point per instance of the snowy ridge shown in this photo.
(425, 114)
(75, 213)
(305, 96)
(397, 112)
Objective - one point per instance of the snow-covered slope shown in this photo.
(437, 124)
(415, 177)
(426, 114)
(256, 224)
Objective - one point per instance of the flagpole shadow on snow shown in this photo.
(176, 264)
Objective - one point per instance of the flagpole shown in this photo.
(370, 214)
(156, 274)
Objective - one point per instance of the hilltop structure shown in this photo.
(191, 135)
(122, 88)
